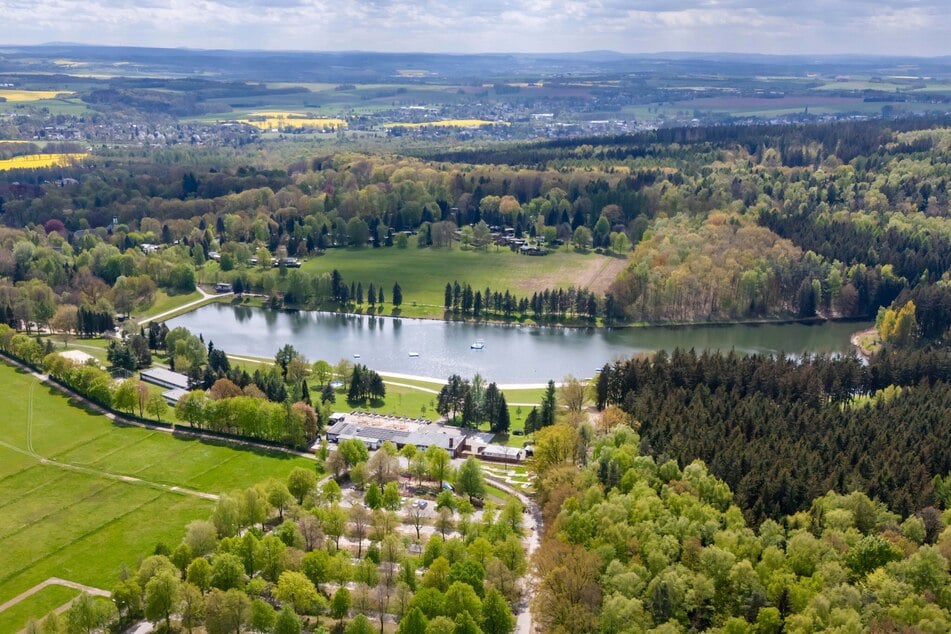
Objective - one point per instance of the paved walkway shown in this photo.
(427, 390)
(54, 581)
(204, 298)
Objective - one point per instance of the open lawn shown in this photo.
(84, 525)
(399, 401)
(96, 347)
(423, 273)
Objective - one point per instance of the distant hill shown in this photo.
(366, 66)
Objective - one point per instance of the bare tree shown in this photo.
(414, 516)
(572, 394)
(359, 526)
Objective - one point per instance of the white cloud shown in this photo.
(916, 27)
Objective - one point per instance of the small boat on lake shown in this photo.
(414, 354)
(356, 356)
(477, 345)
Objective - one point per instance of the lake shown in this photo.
(511, 354)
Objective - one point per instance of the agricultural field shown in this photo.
(32, 95)
(80, 497)
(423, 273)
(448, 123)
(39, 161)
(279, 120)
(860, 85)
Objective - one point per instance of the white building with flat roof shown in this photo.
(164, 378)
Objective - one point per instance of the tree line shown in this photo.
(461, 299)
(473, 402)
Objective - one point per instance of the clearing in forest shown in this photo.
(423, 273)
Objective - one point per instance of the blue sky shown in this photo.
(898, 27)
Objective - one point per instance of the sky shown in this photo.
(893, 27)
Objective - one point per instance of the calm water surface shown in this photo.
(512, 354)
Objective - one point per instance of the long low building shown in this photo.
(173, 396)
(164, 378)
(374, 430)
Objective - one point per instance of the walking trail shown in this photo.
(184, 307)
(54, 581)
(523, 618)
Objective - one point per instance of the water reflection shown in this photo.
(512, 353)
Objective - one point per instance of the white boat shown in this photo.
(477, 345)
(414, 354)
(356, 356)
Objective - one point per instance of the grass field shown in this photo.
(38, 161)
(84, 525)
(423, 273)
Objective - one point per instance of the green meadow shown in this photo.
(423, 273)
(85, 525)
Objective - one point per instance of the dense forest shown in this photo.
(719, 493)
(647, 546)
(783, 431)
(760, 222)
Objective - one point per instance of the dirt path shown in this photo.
(523, 618)
(54, 581)
(597, 276)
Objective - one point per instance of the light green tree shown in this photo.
(162, 595)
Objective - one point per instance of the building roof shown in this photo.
(77, 356)
(344, 428)
(165, 377)
(429, 438)
(174, 395)
(500, 451)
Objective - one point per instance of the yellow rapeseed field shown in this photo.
(38, 161)
(31, 95)
(277, 120)
(448, 123)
